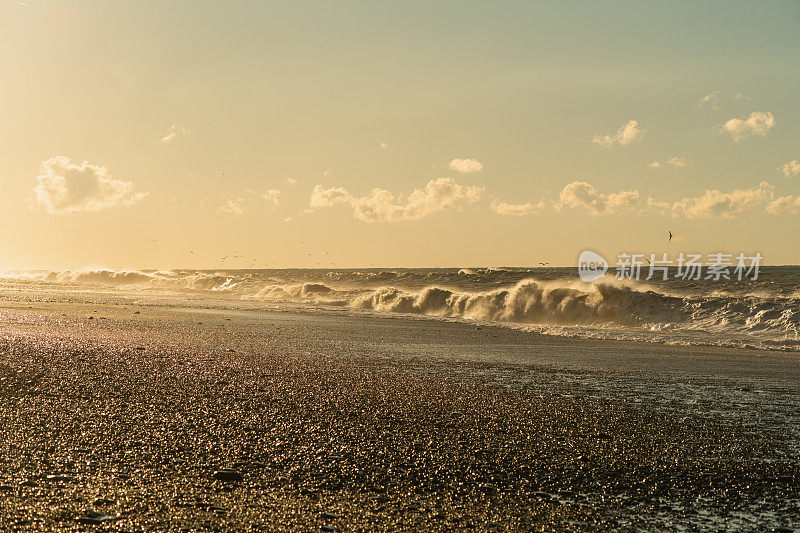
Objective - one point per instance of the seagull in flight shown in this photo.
(670, 235)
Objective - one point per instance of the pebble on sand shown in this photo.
(93, 517)
(227, 475)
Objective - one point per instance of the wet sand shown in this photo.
(123, 416)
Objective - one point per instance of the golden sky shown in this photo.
(263, 134)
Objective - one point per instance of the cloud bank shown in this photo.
(67, 187)
(713, 203)
(438, 195)
(444, 194)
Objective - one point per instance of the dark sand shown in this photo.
(362, 423)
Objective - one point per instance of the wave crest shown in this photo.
(530, 301)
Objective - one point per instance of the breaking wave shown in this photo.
(554, 301)
(529, 301)
(103, 277)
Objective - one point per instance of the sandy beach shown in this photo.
(124, 416)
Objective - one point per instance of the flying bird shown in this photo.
(670, 235)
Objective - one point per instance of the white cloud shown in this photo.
(67, 187)
(711, 204)
(503, 208)
(711, 100)
(584, 194)
(321, 197)
(465, 166)
(784, 205)
(757, 123)
(441, 194)
(291, 181)
(234, 206)
(792, 168)
(173, 132)
(327, 172)
(717, 204)
(272, 196)
(625, 135)
(654, 164)
(384, 145)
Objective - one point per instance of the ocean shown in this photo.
(758, 314)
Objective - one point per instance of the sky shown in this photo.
(198, 134)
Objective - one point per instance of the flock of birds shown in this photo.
(252, 262)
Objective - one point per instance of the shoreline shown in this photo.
(757, 316)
